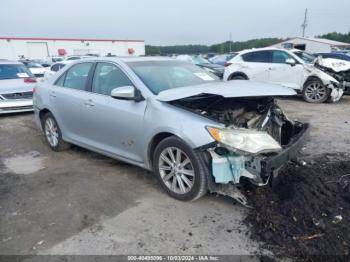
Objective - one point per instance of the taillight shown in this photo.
(227, 64)
(29, 80)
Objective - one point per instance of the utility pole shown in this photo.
(304, 25)
(230, 42)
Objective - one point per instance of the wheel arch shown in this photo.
(237, 73)
(43, 112)
(156, 139)
(310, 78)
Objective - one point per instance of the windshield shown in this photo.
(306, 57)
(163, 75)
(14, 72)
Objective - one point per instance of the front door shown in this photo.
(115, 125)
(285, 74)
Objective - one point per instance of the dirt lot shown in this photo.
(78, 202)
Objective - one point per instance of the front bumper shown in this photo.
(273, 164)
(259, 169)
(16, 106)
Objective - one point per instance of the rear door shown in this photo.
(68, 101)
(282, 73)
(115, 125)
(257, 65)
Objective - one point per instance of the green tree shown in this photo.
(337, 37)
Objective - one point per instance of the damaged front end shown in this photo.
(256, 142)
(338, 70)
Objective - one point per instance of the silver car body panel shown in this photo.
(124, 129)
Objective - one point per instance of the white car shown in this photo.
(52, 59)
(285, 68)
(76, 57)
(55, 68)
(36, 69)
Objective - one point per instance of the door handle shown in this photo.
(89, 103)
(53, 94)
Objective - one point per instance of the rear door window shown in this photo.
(77, 76)
(258, 57)
(107, 77)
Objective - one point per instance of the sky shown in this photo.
(170, 22)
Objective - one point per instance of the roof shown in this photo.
(259, 49)
(320, 40)
(136, 58)
(68, 39)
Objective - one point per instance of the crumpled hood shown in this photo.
(237, 88)
(336, 65)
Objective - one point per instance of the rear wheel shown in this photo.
(53, 133)
(179, 170)
(315, 91)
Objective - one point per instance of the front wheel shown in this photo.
(315, 91)
(180, 170)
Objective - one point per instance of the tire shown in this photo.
(53, 135)
(169, 169)
(238, 77)
(315, 91)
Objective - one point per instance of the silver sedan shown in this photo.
(16, 87)
(196, 133)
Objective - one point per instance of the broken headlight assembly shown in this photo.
(244, 140)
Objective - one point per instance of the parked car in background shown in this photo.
(337, 68)
(76, 57)
(194, 131)
(198, 60)
(55, 68)
(333, 55)
(283, 67)
(36, 69)
(51, 60)
(222, 59)
(16, 87)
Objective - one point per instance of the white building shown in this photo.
(313, 45)
(40, 48)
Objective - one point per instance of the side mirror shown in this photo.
(127, 93)
(291, 61)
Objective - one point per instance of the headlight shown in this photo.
(250, 141)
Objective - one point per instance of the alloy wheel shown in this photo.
(315, 91)
(51, 132)
(176, 170)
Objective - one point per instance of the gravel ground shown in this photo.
(79, 202)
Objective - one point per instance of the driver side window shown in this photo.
(280, 57)
(107, 77)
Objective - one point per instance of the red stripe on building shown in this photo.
(68, 39)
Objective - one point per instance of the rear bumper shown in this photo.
(16, 106)
(273, 164)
